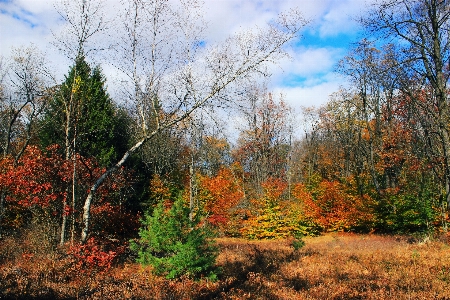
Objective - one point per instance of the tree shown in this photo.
(219, 194)
(421, 29)
(24, 93)
(275, 217)
(83, 120)
(376, 79)
(176, 245)
(84, 20)
(33, 187)
(264, 142)
(177, 82)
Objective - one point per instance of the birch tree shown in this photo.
(173, 71)
(84, 21)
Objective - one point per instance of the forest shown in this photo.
(145, 191)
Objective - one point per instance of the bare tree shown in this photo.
(84, 20)
(24, 87)
(181, 73)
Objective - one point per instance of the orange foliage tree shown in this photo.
(160, 192)
(334, 206)
(219, 194)
(309, 211)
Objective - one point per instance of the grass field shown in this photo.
(332, 266)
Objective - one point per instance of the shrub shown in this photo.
(91, 256)
(298, 242)
(276, 218)
(175, 245)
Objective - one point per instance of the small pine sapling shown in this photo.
(175, 245)
(298, 241)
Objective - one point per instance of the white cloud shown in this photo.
(310, 94)
(313, 65)
(305, 62)
(341, 16)
(36, 6)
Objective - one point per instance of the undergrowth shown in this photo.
(333, 266)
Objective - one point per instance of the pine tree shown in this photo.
(83, 118)
(174, 245)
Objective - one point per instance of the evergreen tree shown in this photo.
(83, 118)
(174, 245)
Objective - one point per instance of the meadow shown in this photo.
(331, 266)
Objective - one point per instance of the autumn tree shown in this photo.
(34, 187)
(371, 137)
(25, 91)
(421, 30)
(274, 216)
(264, 141)
(218, 195)
(216, 154)
(167, 76)
(375, 81)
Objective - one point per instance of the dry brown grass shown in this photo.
(334, 266)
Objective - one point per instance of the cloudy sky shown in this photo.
(305, 80)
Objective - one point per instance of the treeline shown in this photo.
(80, 166)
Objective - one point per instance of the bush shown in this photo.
(92, 256)
(176, 246)
(298, 242)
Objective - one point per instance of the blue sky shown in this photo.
(305, 80)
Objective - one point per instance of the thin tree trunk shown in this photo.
(68, 150)
(2, 211)
(74, 175)
(191, 189)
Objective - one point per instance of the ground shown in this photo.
(332, 266)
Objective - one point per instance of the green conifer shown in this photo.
(175, 245)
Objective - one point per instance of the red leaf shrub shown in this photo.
(90, 257)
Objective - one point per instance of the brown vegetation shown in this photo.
(333, 266)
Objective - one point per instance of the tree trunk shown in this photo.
(191, 189)
(101, 179)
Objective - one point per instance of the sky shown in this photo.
(306, 79)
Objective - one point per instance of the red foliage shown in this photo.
(219, 194)
(42, 179)
(36, 179)
(90, 256)
(334, 208)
